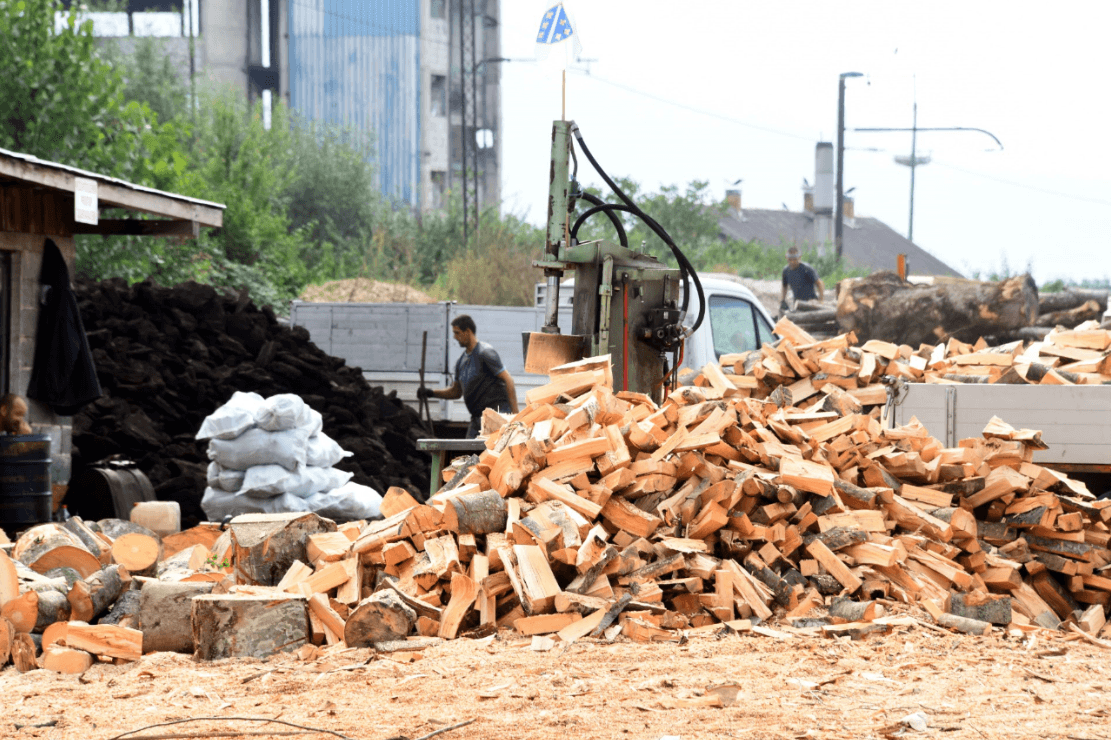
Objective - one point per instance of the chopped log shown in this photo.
(205, 533)
(76, 525)
(166, 615)
(265, 545)
(964, 624)
(125, 612)
(102, 590)
(476, 513)
(380, 617)
(108, 640)
(883, 306)
(49, 546)
(66, 660)
(23, 653)
(52, 607)
(855, 611)
(22, 612)
(248, 625)
(113, 529)
(9, 579)
(984, 607)
(138, 552)
(1071, 298)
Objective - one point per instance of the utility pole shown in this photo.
(839, 216)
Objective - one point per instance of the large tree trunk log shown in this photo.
(166, 615)
(49, 546)
(882, 306)
(1067, 299)
(125, 612)
(264, 546)
(380, 617)
(1088, 311)
(248, 626)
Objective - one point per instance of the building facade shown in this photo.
(403, 71)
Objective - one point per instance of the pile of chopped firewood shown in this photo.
(593, 512)
(811, 371)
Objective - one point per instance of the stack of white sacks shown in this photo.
(271, 456)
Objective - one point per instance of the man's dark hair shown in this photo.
(464, 323)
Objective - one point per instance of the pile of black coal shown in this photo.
(168, 357)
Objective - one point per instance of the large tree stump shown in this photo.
(248, 625)
(264, 546)
(50, 546)
(166, 615)
(882, 306)
(380, 617)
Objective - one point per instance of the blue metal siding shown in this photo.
(357, 63)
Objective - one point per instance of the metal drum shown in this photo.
(25, 494)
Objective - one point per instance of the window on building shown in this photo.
(438, 96)
(438, 8)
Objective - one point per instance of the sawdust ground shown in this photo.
(962, 687)
(363, 290)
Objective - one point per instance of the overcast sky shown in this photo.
(718, 90)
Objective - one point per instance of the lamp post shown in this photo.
(839, 217)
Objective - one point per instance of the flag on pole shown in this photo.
(555, 28)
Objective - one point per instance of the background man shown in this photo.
(480, 377)
(802, 279)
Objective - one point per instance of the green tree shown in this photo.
(149, 76)
(59, 100)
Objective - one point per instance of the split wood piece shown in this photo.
(205, 533)
(542, 489)
(327, 547)
(137, 552)
(265, 545)
(396, 501)
(107, 640)
(476, 513)
(350, 591)
(964, 624)
(50, 546)
(628, 518)
(319, 606)
(570, 384)
(296, 575)
(66, 660)
(538, 585)
(380, 617)
(1093, 619)
(806, 476)
(545, 624)
(855, 611)
(166, 615)
(92, 597)
(23, 653)
(330, 576)
(248, 625)
(463, 594)
(834, 566)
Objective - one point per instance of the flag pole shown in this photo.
(563, 116)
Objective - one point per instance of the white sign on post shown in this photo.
(85, 209)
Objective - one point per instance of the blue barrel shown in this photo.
(25, 493)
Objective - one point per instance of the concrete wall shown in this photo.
(225, 32)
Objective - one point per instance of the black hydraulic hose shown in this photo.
(685, 267)
(607, 208)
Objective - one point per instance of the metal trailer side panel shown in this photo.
(1075, 420)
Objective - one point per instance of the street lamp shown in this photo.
(839, 217)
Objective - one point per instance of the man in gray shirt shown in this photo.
(802, 279)
(480, 378)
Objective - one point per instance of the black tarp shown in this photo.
(63, 376)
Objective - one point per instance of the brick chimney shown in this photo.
(733, 198)
(847, 211)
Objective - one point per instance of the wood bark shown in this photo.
(52, 607)
(264, 546)
(49, 546)
(993, 609)
(964, 624)
(882, 306)
(166, 615)
(476, 513)
(125, 612)
(113, 529)
(23, 653)
(380, 617)
(248, 625)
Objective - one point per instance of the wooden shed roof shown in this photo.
(178, 215)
